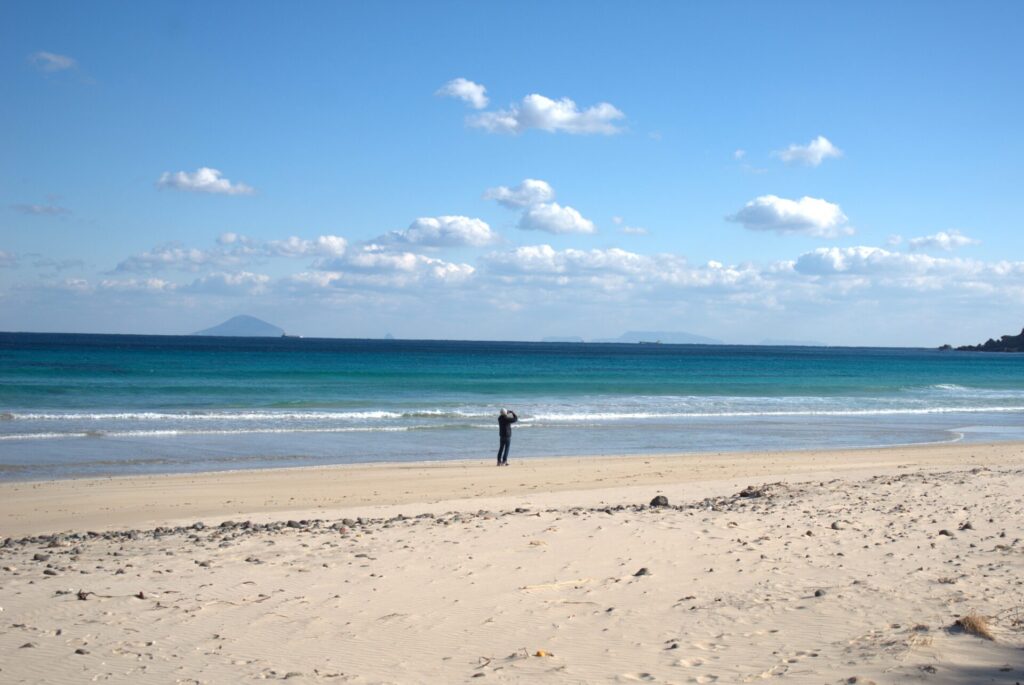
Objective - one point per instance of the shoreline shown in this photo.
(46, 507)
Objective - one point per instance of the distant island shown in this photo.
(244, 326)
(667, 337)
(1007, 343)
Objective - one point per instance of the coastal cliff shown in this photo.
(1007, 343)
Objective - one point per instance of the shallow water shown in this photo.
(73, 405)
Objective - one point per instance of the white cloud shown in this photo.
(202, 180)
(628, 230)
(40, 210)
(8, 259)
(539, 112)
(322, 246)
(739, 154)
(171, 256)
(133, 285)
(530, 192)
(808, 215)
(445, 231)
(943, 240)
(534, 197)
(232, 250)
(377, 266)
(554, 218)
(812, 154)
(465, 90)
(51, 61)
(221, 283)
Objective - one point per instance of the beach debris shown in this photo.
(974, 624)
(83, 595)
(542, 652)
(642, 572)
(946, 533)
(838, 525)
(966, 525)
(28, 645)
(81, 650)
(659, 501)
(140, 595)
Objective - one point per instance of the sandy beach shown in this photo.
(816, 567)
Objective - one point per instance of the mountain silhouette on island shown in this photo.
(244, 326)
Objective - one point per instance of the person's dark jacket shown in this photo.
(505, 424)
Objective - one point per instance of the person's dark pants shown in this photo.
(503, 451)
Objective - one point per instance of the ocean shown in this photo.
(97, 405)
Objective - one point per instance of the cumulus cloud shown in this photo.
(739, 154)
(51, 61)
(540, 213)
(232, 250)
(545, 114)
(322, 246)
(445, 231)
(40, 210)
(530, 192)
(221, 283)
(812, 154)
(472, 93)
(554, 218)
(377, 266)
(897, 268)
(808, 216)
(617, 270)
(943, 240)
(137, 285)
(202, 180)
(171, 256)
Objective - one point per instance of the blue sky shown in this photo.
(848, 174)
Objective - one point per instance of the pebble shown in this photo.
(642, 572)
(81, 650)
(838, 525)
(819, 593)
(659, 501)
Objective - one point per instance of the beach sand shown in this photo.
(809, 567)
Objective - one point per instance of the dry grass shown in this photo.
(975, 624)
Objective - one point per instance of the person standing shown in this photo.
(505, 420)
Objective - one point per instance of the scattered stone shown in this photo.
(946, 533)
(81, 650)
(659, 501)
(49, 572)
(642, 572)
(838, 525)
(819, 593)
(966, 525)
(28, 645)
(293, 524)
(40, 557)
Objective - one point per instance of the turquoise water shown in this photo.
(73, 405)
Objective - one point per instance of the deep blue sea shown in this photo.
(87, 405)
